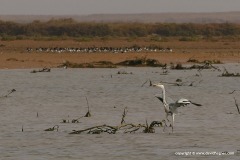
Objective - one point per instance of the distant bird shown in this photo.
(171, 108)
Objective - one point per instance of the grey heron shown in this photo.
(171, 108)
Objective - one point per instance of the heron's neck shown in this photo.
(164, 95)
(166, 107)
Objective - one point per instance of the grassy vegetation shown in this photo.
(65, 28)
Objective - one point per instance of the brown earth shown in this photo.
(13, 54)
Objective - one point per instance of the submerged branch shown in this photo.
(45, 69)
(124, 115)
(233, 91)
(10, 92)
(97, 130)
(237, 105)
(125, 128)
(88, 114)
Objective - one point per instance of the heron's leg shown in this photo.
(167, 117)
(164, 125)
(164, 128)
(172, 121)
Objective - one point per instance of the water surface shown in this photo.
(60, 94)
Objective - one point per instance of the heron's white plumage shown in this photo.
(171, 108)
(183, 101)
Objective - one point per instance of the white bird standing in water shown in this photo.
(171, 108)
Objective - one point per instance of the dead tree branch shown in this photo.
(124, 115)
(9, 92)
(52, 128)
(237, 105)
(88, 114)
(97, 130)
(233, 91)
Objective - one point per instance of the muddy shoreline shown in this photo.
(13, 54)
(35, 60)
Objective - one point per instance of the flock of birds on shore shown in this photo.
(133, 49)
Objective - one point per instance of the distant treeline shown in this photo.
(71, 28)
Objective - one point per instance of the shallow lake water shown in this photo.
(43, 100)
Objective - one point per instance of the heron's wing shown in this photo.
(168, 99)
(183, 102)
(173, 108)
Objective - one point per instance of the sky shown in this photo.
(86, 7)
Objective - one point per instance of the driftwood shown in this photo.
(77, 120)
(228, 74)
(206, 65)
(125, 128)
(124, 72)
(205, 61)
(130, 128)
(45, 69)
(52, 128)
(97, 130)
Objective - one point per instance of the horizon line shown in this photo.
(120, 13)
